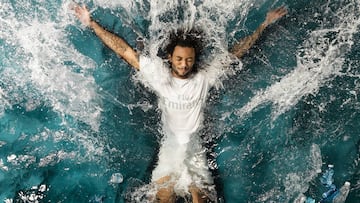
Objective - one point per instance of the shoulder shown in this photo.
(153, 71)
(199, 79)
(202, 76)
(152, 64)
(146, 60)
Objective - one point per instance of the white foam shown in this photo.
(56, 157)
(2, 166)
(8, 201)
(11, 157)
(129, 6)
(89, 148)
(4, 103)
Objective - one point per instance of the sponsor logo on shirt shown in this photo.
(183, 102)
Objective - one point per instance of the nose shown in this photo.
(183, 63)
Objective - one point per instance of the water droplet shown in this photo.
(117, 178)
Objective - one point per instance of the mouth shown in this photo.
(183, 69)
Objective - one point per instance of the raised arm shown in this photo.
(246, 43)
(114, 42)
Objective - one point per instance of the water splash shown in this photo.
(41, 68)
(319, 60)
(42, 74)
(46, 63)
(299, 173)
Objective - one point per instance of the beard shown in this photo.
(182, 73)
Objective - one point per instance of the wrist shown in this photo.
(264, 24)
(91, 23)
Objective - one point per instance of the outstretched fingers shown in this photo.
(197, 195)
(276, 14)
(83, 14)
(281, 11)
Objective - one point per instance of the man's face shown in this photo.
(182, 61)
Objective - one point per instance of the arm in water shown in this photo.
(114, 42)
(246, 43)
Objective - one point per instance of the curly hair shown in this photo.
(193, 38)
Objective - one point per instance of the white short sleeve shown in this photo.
(216, 71)
(153, 72)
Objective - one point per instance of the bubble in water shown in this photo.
(117, 178)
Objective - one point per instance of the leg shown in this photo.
(196, 195)
(165, 194)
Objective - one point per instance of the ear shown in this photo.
(169, 57)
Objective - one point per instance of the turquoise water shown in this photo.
(72, 113)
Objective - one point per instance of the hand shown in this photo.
(275, 15)
(83, 14)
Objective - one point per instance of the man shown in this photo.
(182, 89)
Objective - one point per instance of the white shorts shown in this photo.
(185, 163)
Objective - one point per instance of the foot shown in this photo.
(166, 192)
(197, 195)
(166, 195)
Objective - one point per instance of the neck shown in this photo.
(174, 74)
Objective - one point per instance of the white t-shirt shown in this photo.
(180, 100)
